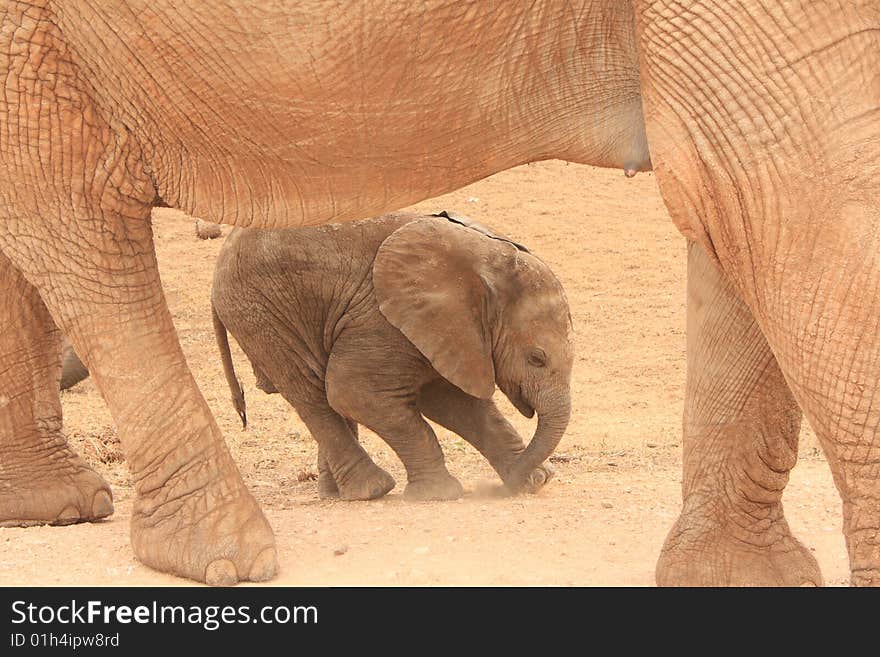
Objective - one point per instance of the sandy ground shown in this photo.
(601, 521)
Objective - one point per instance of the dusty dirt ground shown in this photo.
(601, 521)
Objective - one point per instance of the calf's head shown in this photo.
(483, 311)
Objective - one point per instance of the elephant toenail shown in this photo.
(539, 478)
(265, 566)
(221, 572)
(68, 515)
(102, 504)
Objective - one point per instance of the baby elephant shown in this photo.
(72, 369)
(386, 321)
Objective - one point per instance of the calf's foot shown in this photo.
(536, 480)
(327, 488)
(442, 486)
(363, 481)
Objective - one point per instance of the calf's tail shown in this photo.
(229, 368)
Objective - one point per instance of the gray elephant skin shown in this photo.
(759, 119)
(72, 369)
(386, 321)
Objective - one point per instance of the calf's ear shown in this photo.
(428, 280)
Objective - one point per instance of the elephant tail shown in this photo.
(229, 368)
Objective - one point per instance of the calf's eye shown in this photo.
(537, 357)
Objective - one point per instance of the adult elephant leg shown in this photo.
(192, 515)
(42, 480)
(75, 200)
(480, 423)
(770, 159)
(741, 428)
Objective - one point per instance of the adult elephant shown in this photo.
(763, 123)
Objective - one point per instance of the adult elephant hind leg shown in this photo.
(741, 428)
(192, 515)
(830, 351)
(42, 480)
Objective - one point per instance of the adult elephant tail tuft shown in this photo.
(228, 368)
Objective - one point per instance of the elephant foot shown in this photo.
(711, 556)
(215, 533)
(367, 481)
(866, 577)
(537, 479)
(327, 488)
(63, 490)
(442, 487)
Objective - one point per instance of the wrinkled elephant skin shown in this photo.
(376, 347)
(762, 120)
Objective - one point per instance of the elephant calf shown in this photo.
(386, 321)
(72, 369)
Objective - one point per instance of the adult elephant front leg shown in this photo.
(42, 481)
(741, 427)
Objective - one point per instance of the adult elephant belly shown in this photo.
(256, 115)
(302, 115)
